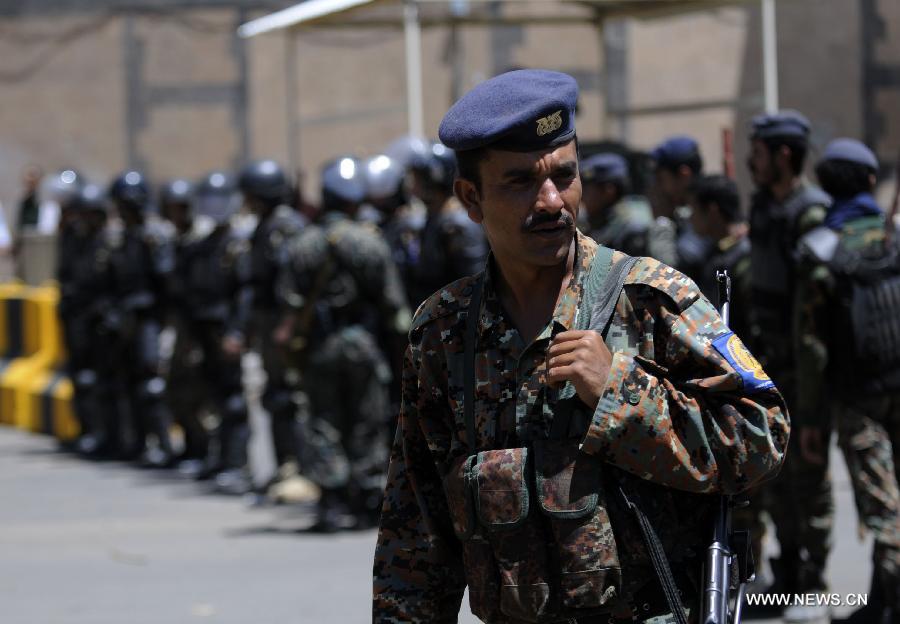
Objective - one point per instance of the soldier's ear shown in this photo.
(468, 194)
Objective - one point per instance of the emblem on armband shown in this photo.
(748, 367)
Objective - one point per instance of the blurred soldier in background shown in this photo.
(83, 274)
(848, 356)
(186, 390)
(214, 307)
(401, 222)
(175, 205)
(142, 264)
(716, 216)
(345, 292)
(672, 240)
(616, 218)
(453, 246)
(784, 208)
(265, 187)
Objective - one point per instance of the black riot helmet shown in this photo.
(130, 189)
(91, 198)
(62, 187)
(217, 197)
(177, 191)
(343, 184)
(264, 181)
(436, 165)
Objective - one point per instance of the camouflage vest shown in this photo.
(545, 528)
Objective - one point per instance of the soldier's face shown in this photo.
(527, 202)
(598, 199)
(762, 168)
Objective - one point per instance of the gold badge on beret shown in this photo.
(550, 123)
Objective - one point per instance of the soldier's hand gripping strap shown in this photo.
(595, 312)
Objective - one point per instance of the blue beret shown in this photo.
(604, 167)
(522, 111)
(675, 149)
(787, 123)
(851, 150)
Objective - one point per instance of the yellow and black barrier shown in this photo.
(35, 393)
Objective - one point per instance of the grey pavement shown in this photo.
(105, 543)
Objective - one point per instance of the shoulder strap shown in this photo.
(473, 312)
(600, 305)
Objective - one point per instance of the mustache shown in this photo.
(538, 219)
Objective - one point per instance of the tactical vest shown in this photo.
(865, 323)
(547, 531)
(774, 236)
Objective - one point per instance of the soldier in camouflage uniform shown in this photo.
(672, 240)
(840, 376)
(452, 245)
(783, 208)
(345, 291)
(214, 310)
(516, 492)
(265, 187)
(616, 218)
(142, 264)
(716, 216)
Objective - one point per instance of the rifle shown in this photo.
(728, 556)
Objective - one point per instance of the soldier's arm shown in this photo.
(811, 305)
(690, 419)
(661, 238)
(418, 575)
(242, 303)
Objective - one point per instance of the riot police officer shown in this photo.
(214, 310)
(142, 263)
(175, 204)
(265, 188)
(83, 274)
(344, 291)
(401, 221)
(452, 245)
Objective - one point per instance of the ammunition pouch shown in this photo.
(537, 540)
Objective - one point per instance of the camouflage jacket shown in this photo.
(675, 412)
(627, 227)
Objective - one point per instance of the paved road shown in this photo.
(88, 543)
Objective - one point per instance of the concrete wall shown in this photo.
(102, 85)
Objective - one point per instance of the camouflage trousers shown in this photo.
(346, 381)
(869, 436)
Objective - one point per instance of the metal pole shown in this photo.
(770, 56)
(412, 33)
(293, 125)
